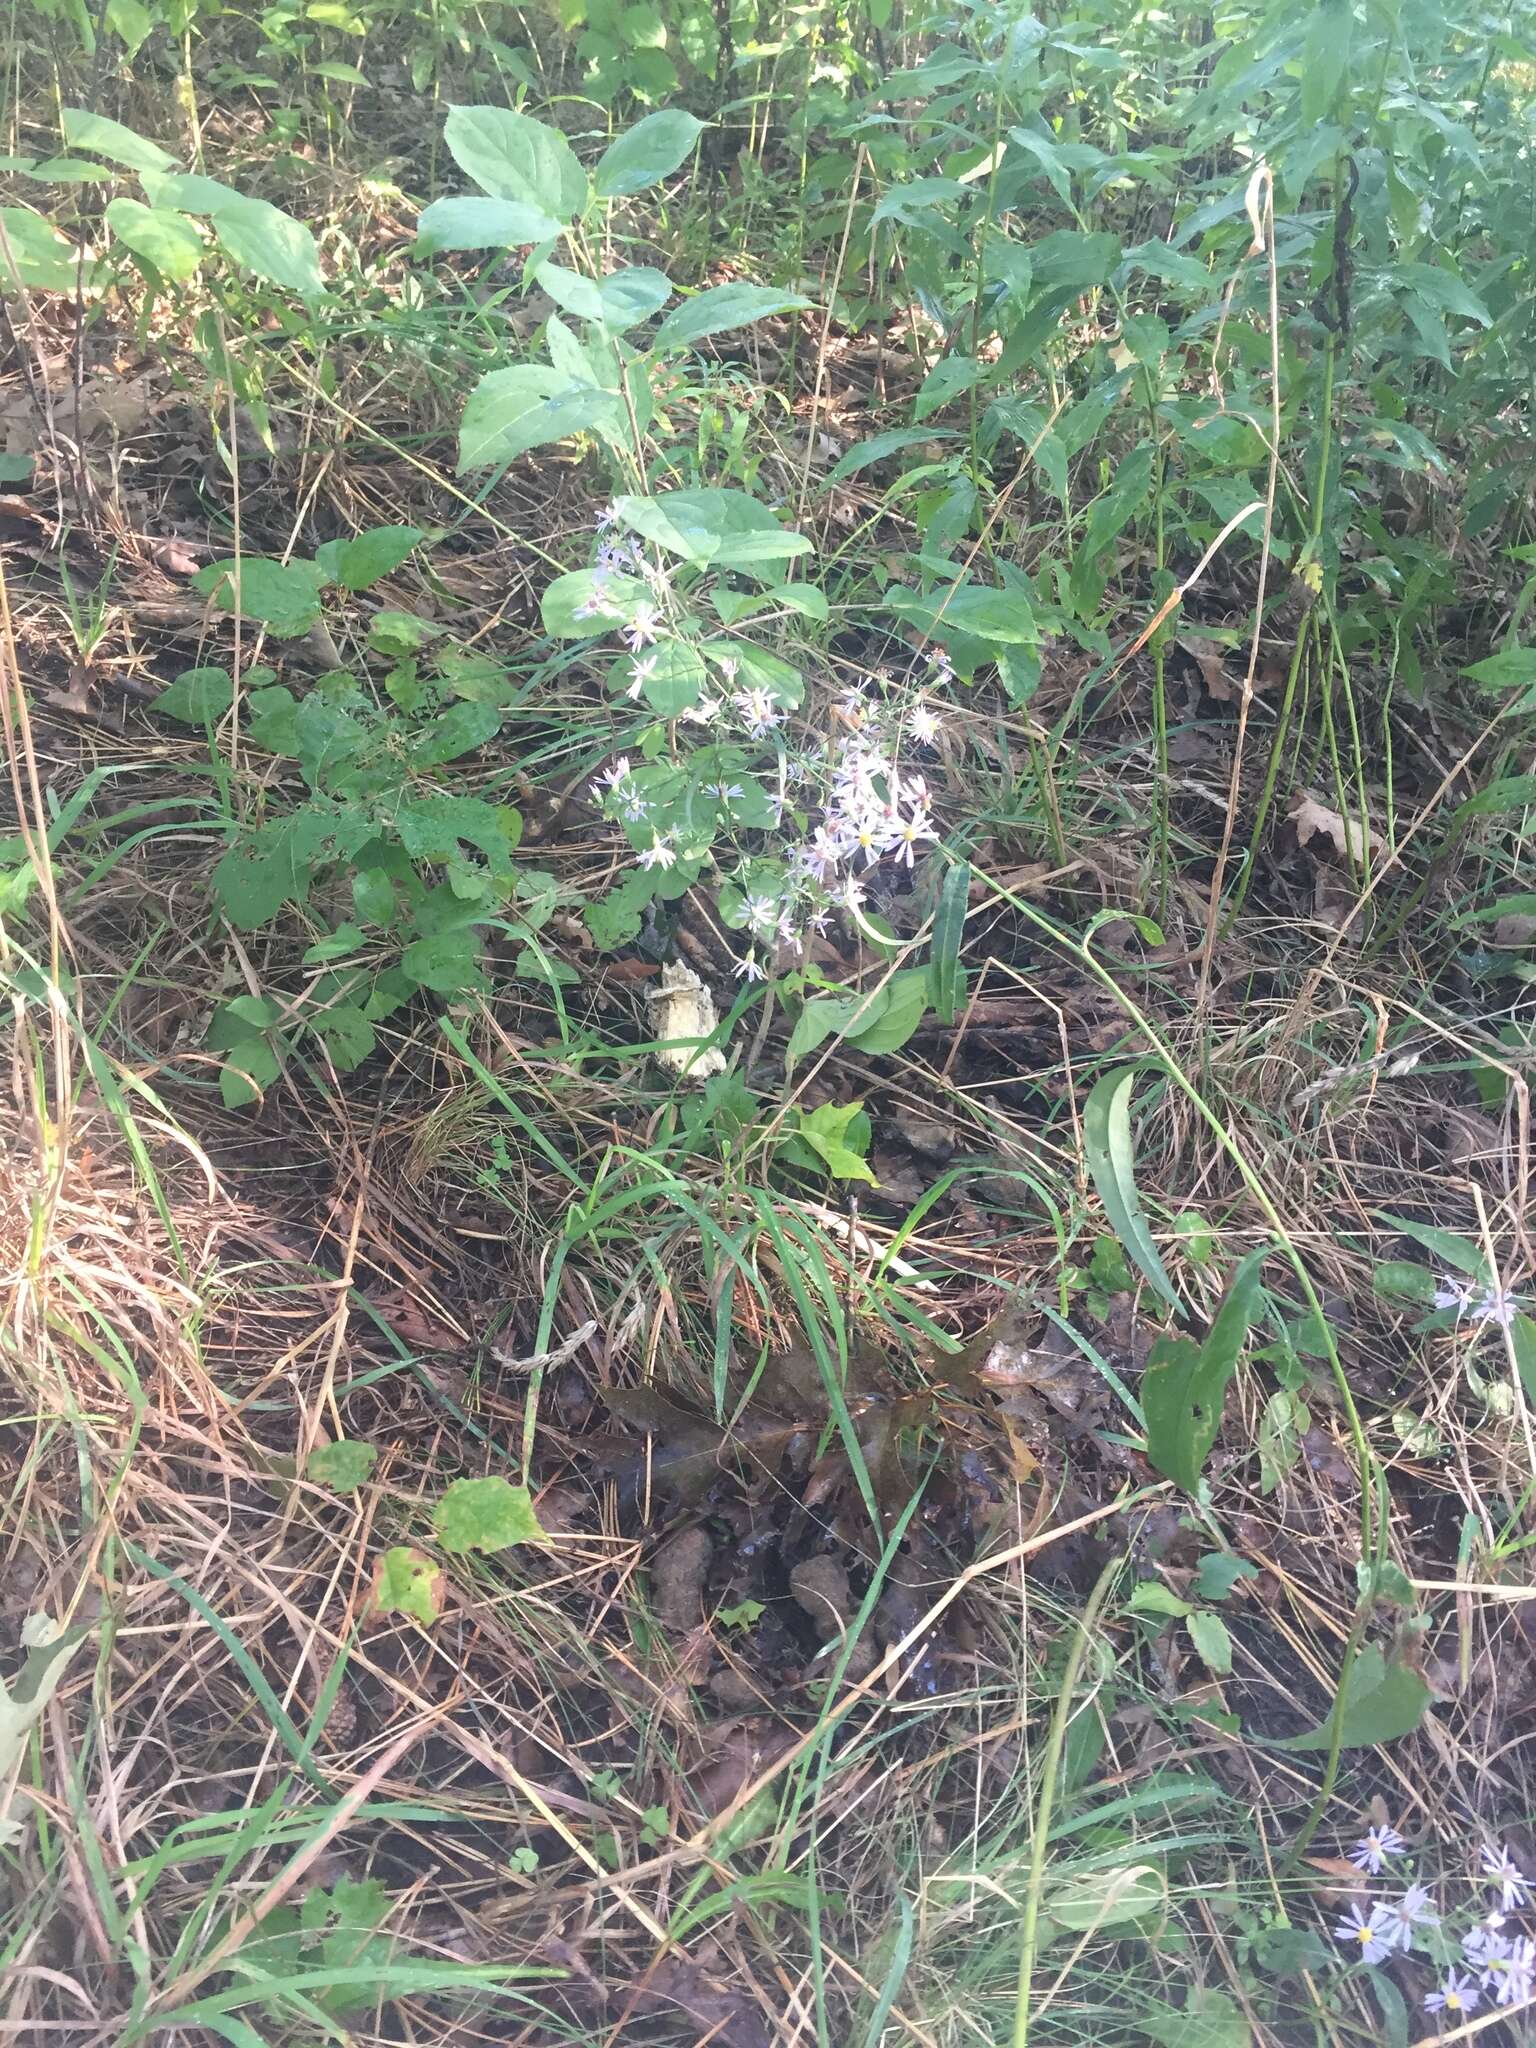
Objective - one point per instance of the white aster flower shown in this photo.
(659, 854)
(1514, 1885)
(642, 628)
(1374, 1847)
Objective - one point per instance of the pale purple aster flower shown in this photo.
(748, 968)
(659, 854)
(724, 792)
(1514, 1885)
(1416, 1908)
(1367, 1933)
(1374, 1847)
(636, 807)
(788, 930)
(850, 894)
(728, 666)
(614, 775)
(1496, 1305)
(759, 712)
(1455, 1995)
(606, 518)
(761, 910)
(1452, 1293)
(642, 628)
(1486, 1949)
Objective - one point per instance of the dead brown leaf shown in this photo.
(1348, 838)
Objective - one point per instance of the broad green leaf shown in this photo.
(486, 1514)
(878, 446)
(157, 234)
(447, 963)
(945, 382)
(1001, 617)
(1088, 1901)
(1432, 284)
(712, 525)
(1506, 793)
(1185, 1383)
(454, 733)
(405, 1582)
(1508, 669)
(1111, 1161)
(615, 302)
(199, 696)
(670, 676)
(188, 191)
(1381, 1702)
(1219, 1572)
(249, 1067)
(131, 21)
(587, 603)
(1282, 1423)
(343, 1466)
(1325, 58)
(1211, 2019)
(1213, 1645)
(650, 151)
(359, 563)
(1456, 1251)
(827, 1132)
(512, 156)
(511, 411)
(906, 996)
(282, 596)
(271, 244)
(948, 938)
(1404, 1280)
(721, 307)
(119, 145)
(917, 196)
(34, 256)
(471, 221)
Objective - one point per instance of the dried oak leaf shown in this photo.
(1347, 836)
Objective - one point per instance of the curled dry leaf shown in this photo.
(1347, 837)
(683, 1010)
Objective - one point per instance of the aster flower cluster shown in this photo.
(1477, 1304)
(860, 799)
(1495, 1966)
